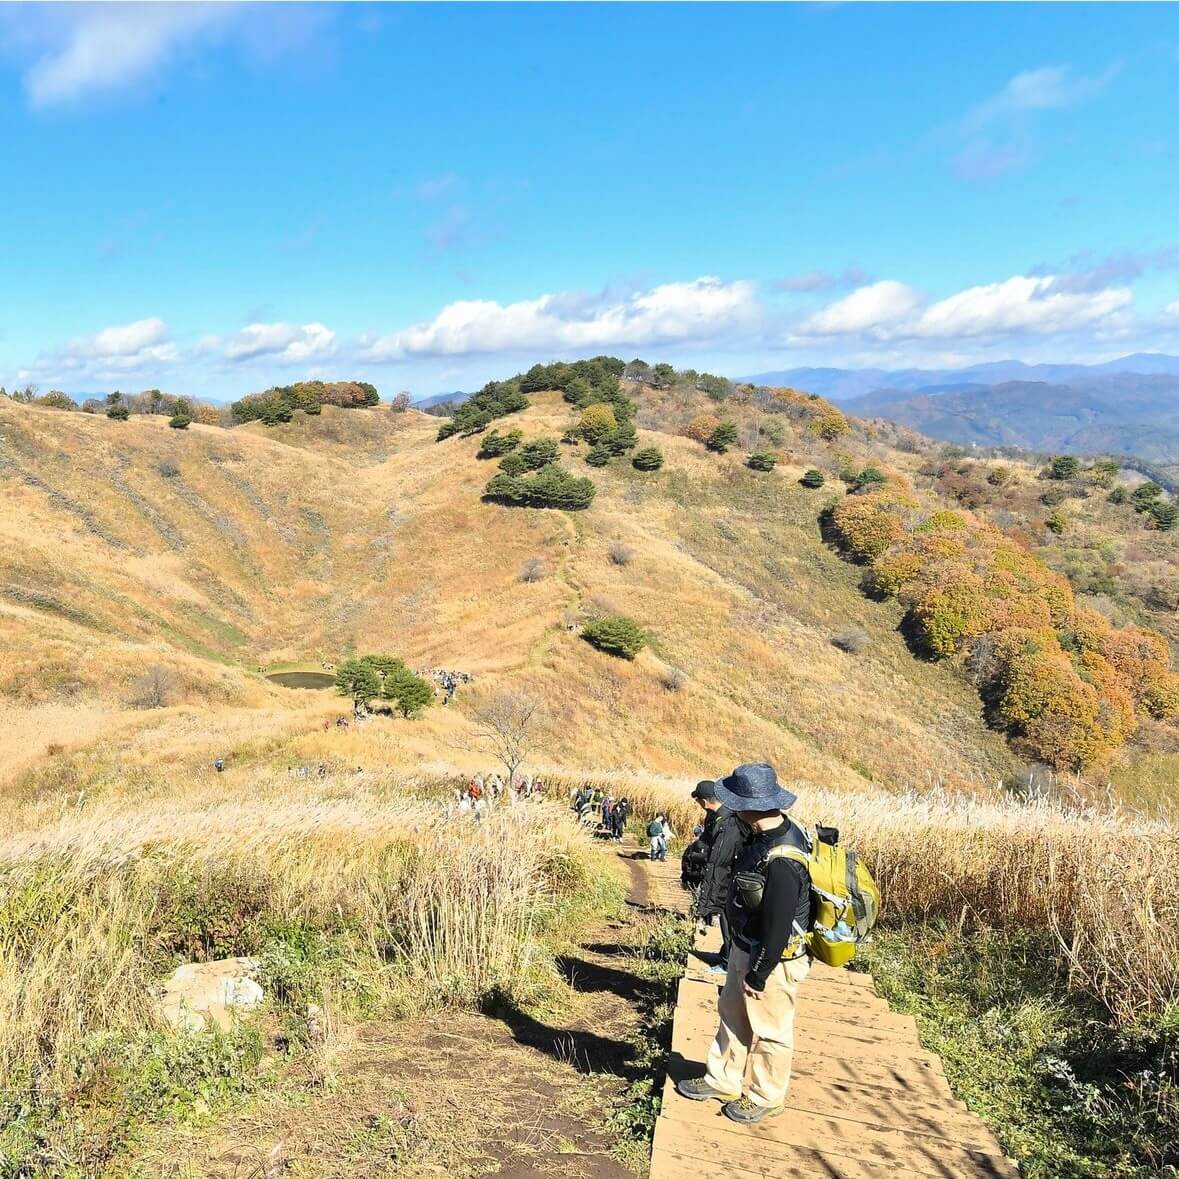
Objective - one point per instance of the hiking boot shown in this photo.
(698, 1089)
(745, 1112)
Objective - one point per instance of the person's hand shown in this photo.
(750, 993)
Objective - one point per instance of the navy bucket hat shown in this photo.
(754, 787)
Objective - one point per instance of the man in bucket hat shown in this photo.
(768, 911)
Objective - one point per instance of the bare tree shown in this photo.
(508, 727)
(154, 688)
(401, 402)
(532, 570)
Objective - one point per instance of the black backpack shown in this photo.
(694, 863)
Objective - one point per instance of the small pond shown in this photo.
(302, 679)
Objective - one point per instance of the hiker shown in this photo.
(219, 764)
(657, 834)
(769, 914)
(607, 812)
(721, 841)
(618, 817)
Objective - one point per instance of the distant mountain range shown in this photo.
(1125, 406)
(846, 384)
(439, 398)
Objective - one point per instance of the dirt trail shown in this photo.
(866, 1100)
(507, 1091)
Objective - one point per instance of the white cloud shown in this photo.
(705, 308)
(96, 47)
(122, 346)
(1047, 88)
(869, 308)
(1019, 304)
(1043, 305)
(281, 342)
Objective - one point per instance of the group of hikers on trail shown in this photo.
(481, 793)
(783, 896)
(596, 808)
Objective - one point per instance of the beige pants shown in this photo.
(769, 1020)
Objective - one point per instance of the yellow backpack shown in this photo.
(844, 898)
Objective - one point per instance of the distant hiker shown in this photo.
(618, 817)
(720, 841)
(219, 764)
(657, 834)
(769, 914)
(607, 810)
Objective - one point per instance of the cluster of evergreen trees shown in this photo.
(279, 404)
(496, 399)
(385, 677)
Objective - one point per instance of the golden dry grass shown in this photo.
(96, 898)
(356, 530)
(1098, 887)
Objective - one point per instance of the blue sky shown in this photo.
(215, 198)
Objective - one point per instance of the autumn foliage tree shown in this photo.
(1064, 684)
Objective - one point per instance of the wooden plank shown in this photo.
(872, 1108)
(766, 1142)
(683, 1155)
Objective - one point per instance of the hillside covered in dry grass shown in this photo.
(215, 552)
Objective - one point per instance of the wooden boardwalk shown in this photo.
(866, 1100)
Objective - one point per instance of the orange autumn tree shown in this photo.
(1057, 677)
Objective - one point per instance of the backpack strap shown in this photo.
(782, 852)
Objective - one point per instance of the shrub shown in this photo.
(598, 456)
(118, 412)
(1118, 495)
(702, 427)
(672, 679)
(551, 487)
(615, 635)
(866, 525)
(620, 554)
(1144, 495)
(168, 468)
(401, 402)
(623, 439)
(539, 452)
(724, 436)
(761, 461)
(180, 421)
(650, 458)
(495, 444)
(852, 639)
(1053, 496)
(154, 689)
(1064, 466)
(1057, 522)
(597, 423)
(56, 399)
(813, 479)
(532, 570)
(829, 424)
(513, 464)
(868, 479)
(1163, 514)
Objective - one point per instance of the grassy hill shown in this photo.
(214, 552)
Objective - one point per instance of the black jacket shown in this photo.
(725, 837)
(786, 901)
